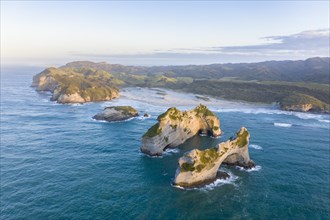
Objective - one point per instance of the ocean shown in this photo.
(59, 163)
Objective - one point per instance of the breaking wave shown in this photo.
(282, 125)
(218, 182)
(141, 117)
(104, 121)
(256, 168)
(170, 151)
(255, 146)
(270, 111)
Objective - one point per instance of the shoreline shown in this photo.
(194, 98)
(164, 97)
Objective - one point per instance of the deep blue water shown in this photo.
(57, 163)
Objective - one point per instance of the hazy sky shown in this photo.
(162, 33)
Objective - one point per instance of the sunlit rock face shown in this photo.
(199, 167)
(175, 127)
(72, 85)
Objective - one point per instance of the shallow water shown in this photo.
(56, 162)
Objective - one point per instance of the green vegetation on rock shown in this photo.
(242, 139)
(185, 167)
(153, 131)
(91, 84)
(202, 110)
(297, 99)
(208, 155)
(125, 109)
(173, 113)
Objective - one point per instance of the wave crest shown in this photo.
(255, 146)
(256, 168)
(286, 125)
(216, 183)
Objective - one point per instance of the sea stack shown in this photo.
(200, 167)
(175, 127)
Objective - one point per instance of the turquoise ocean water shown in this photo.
(58, 163)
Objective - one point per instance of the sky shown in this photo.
(52, 33)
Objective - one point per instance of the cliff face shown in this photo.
(76, 85)
(175, 127)
(200, 167)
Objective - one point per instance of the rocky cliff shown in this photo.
(199, 167)
(76, 85)
(116, 113)
(175, 127)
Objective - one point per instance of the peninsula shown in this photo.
(77, 85)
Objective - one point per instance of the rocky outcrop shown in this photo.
(175, 127)
(299, 108)
(199, 167)
(76, 85)
(45, 80)
(116, 113)
(304, 103)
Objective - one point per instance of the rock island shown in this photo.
(200, 167)
(174, 127)
(116, 113)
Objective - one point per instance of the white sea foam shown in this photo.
(255, 146)
(147, 100)
(256, 168)
(129, 119)
(179, 187)
(218, 182)
(102, 121)
(79, 104)
(147, 155)
(167, 152)
(282, 125)
(76, 104)
(170, 151)
(270, 111)
(141, 117)
(105, 121)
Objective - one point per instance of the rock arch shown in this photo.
(200, 167)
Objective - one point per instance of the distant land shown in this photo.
(302, 85)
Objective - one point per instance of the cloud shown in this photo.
(310, 42)
(296, 46)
